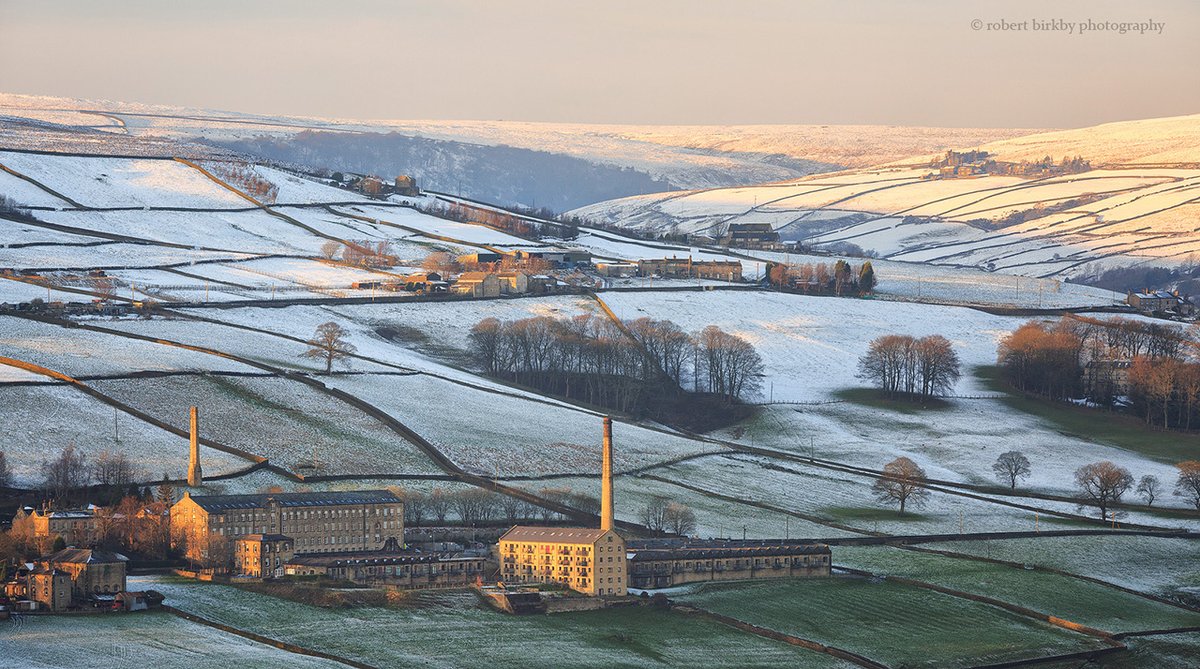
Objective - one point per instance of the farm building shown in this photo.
(477, 284)
(750, 235)
(407, 186)
(617, 269)
(664, 563)
(479, 258)
(76, 526)
(584, 559)
(686, 268)
(513, 283)
(72, 577)
(315, 521)
(1159, 300)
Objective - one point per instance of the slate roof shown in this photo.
(553, 535)
(222, 503)
(84, 556)
(697, 549)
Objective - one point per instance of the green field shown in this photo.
(1153, 565)
(1070, 598)
(452, 629)
(1120, 430)
(898, 625)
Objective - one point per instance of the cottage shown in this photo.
(686, 268)
(477, 284)
(407, 186)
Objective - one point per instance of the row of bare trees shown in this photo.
(1100, 484)
(476, 506)
(904, 365)
(361, 252)
(594, 359)
(665, 515)
(1077, 357)
(822, 279)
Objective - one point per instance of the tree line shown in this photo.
(821, 279)
(1101, 485)
(902, 365)
(1095, 359)
(593, 359)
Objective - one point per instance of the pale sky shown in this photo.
(614, 61)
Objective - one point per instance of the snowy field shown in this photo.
(39, 421)
(78, 352)
(108, 256)
(123, 182)
(513, 436)
(811, 345)
(282, 420)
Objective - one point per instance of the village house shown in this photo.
(1160, 301)
(71, 577)
(750, 235)
(513, 283)
(262, 555)
(616, 269)
(77, 527)
(477, 284)
(316, 522)
(407, 186)
(664, 563)
(686, 268)
(584, 559)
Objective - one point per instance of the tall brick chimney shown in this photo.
(195, 477)
(606, 483)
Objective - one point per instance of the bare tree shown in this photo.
(513, 508)
(1011, 466)
(439, 504)
(902, 482)
(1102, 484)
(441, 262)
(5, 474)
(414, 505)
(1188, 484)
(65, 473)
(654, 513)
(679, 519)
(329, 344)
(900, 364)
(1149, 488)
(330, 248)
(585, 503)
(114, 469)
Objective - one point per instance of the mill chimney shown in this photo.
(195, 477)
(606, 491)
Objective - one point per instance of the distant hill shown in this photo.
(1139, 204)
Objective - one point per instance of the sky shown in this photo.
(950, 63)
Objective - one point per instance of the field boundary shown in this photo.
(265, 640)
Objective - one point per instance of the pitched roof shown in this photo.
(554, 535)
(84, 556)
(708, 549)
(222, 503)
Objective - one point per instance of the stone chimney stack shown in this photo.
(195, 477)
(606, 484)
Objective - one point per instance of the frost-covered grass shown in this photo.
(899, 625)
(243, 231)
(138, 640)
(283, 420)
(1070, 598)
(714, 517)
(452, 629)
(81, 352)
(1159, 566)
(39, 421)
(488, 433)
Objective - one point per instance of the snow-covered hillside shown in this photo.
(1140, 205)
